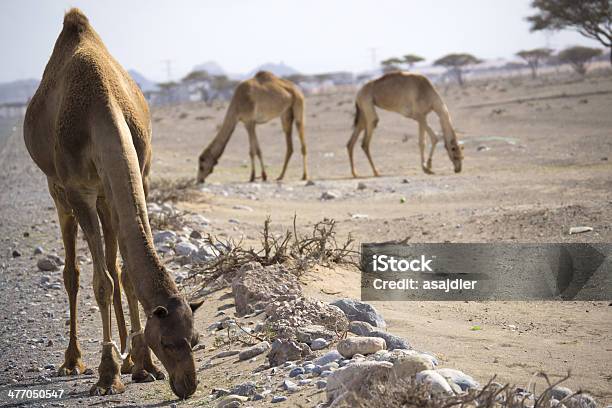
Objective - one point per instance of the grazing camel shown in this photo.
(413, 96)
(88, 128)
(255, 101)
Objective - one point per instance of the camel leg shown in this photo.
(351, 145)
(422, 126)
(255, 150)
(110, 246)
(143, 370)
(84, 206)
(73, 363)
(434, 141)
(298, 114)
(365, 144)
(287, 122)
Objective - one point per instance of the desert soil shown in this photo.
(537, 161)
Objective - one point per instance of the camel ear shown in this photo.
(160, 311)
(195, 305)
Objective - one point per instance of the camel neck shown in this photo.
(119, 169)
(217, 146)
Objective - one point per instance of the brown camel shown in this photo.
(255, 101)
(88, 129)
(413, 96)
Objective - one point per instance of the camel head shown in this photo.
(169, 332)
(455, 153)
(206, 164)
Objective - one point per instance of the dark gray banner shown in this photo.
(498, 271)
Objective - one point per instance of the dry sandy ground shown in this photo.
(546, 167)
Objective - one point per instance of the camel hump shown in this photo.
(265, 76)
(75, 20)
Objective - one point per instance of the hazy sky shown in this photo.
(309, 35)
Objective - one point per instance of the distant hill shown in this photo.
(145, 84)
(211, 67)
(18, 91)
(279, 69)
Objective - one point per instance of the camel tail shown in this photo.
(357, 117)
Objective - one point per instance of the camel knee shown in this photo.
(103, 287)
(71, 278)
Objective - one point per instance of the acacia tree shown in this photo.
(578, 57)
(456, 63)
(591, 18)
(411, 59)
(391, 64)
(534, 57)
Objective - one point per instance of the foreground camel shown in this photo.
(413, 96)
(255, 101)
(88, 129)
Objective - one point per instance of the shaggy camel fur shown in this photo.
(88, 129)
(413, 96)
(255, 101)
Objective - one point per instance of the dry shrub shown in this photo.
(162, 189)
(297, 252)
(407, 393)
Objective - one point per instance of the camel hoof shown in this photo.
(427, 170)
(116, 387)
(279, 178)
(127, 365)
(69, 369)
(264, 177)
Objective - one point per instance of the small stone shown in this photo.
(226, 353)
(253, 351)
(304, 381)
(319, 344)
(44, 279)
(16, 253)
(309, 183)
(330, 195)
(38, 250)
(185, 249)
(438, 383)
(296, 371)
(579, 230)
(361, 186)
(47, 265)
(278, 398)
(242, 207)
(328, 357)
(326, 373)
(321, 384)
(231, 401)
(289, 386)
(360, 328)
(50, 367)
(356, 310)
(165, 236)
(246, 389)
(393, 342)
(195, 235)
(360, 345)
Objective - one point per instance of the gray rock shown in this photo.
(296, 371)
(361, 185)
(185, 249)
(164, 236)
(287, 350)
(304, 381)
(38, 250)
(44, 279)
(308, 368)
(559, 392)
(361, 328)
(253, 351)
(319, 344)
(393, 341)
(246, 389)
(312, 332)
(278, 398)
(438, 383)
(360, 345)
(16, 253)
(357, 376)
(321, 384)
(47, 265)
(328, 357)
(231, 401)
(195, 234)
(226, 353)
(330, 195)
(360, 311)
(464, 381)
(290, 386)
